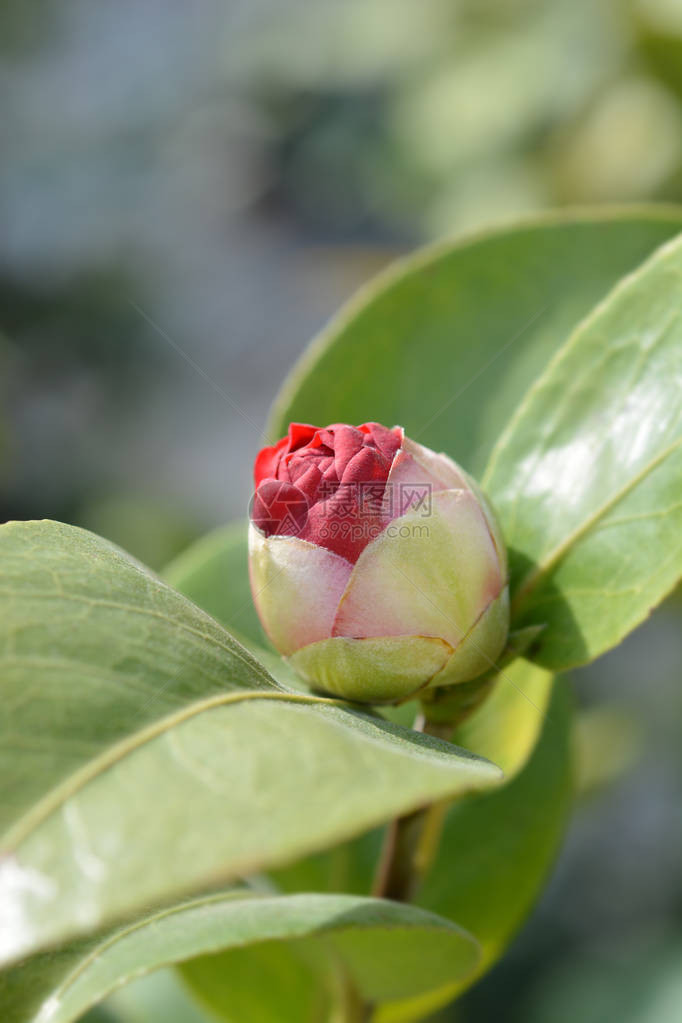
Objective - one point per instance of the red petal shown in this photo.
(279, 509)
(267, 461)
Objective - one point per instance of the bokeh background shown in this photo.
(188, 191)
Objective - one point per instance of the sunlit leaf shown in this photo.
(145, 754)
(587, 479)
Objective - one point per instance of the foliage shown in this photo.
(156, 752)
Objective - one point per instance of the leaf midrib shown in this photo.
(230, 898)
(235, 650)
(546, 565)
(38, 813)
(139, 925)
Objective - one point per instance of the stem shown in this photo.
(409, 849)
(350, 1007)
(411, 841)
(397, 876)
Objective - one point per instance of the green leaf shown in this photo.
(320, 939)
(504, 729)
(495, 853)
(161, 995)
(447, 341)
(496, 849)
(587, 479)
(526, 817)
(508, 723)
(94, 647)
(384, 949)
(214, 573)
(145, 754)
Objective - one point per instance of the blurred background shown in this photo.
(188, 191)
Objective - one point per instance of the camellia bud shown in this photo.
(377, 566)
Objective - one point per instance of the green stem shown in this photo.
(350, 1007)
(409, 850)
(411, 841)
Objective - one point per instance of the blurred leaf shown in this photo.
(631, 978)
(273, 982)
(161, 995)
(385, 949)
(659, 29)
(452, 116)
(587, 478)
(448, 341)
(494, 854)
(508, 724)
(496, 850)
(62, 984)
(606, 743)
(146, 754)
(318, 937)
(627, 144)
(149, 530)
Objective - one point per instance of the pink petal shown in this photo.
(296, 588)
(428, 575)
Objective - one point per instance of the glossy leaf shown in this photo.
(321, 938)
(447, 341)
(146, 754)
(587, 479)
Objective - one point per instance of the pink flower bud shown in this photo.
(377, 566)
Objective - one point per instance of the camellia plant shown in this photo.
(344, 813)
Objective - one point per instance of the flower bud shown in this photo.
(377, 566)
